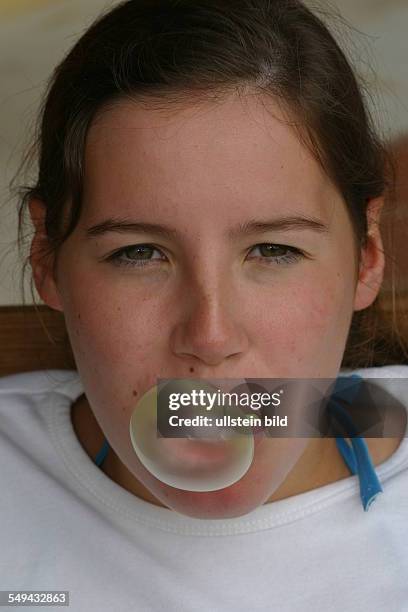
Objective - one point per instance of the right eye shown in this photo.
(137, 256)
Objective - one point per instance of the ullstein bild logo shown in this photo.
(347, 406)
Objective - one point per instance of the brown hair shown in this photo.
(165, 51)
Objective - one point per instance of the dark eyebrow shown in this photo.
(128, 226)
(251, 227)
(280, 224)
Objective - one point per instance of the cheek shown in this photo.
(308, 323)
(116, 335)
(115, 330)
(115, 344)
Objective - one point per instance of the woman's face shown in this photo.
(200, 191)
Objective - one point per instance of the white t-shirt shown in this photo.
(65, 525)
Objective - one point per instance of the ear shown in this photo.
(371, 272)
(41, 261)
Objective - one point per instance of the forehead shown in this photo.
(240, 151)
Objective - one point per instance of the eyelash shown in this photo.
(116, 257)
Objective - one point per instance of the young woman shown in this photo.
(207, 206)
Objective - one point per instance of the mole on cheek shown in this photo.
(191, 369)
(134, 392)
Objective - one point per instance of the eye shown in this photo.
(278, 253)
(135, 255)
(140, 255)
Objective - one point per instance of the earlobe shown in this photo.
(41, 259)
(371, 272)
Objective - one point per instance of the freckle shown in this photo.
(191, 369)
(134, 392)
(79, 316)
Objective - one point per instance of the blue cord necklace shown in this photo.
(356, 456)
(100, 457)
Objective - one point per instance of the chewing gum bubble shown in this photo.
(204, 458)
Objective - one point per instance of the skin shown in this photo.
(205, 306)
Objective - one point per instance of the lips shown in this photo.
(205, 453)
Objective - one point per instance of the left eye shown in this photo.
(278, 253)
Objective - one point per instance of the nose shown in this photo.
(211, 328)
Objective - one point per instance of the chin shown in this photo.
(233, 501)
(252, 490)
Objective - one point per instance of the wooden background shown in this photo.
(27, 344)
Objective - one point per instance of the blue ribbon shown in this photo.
(356, 455)
(102, 453)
